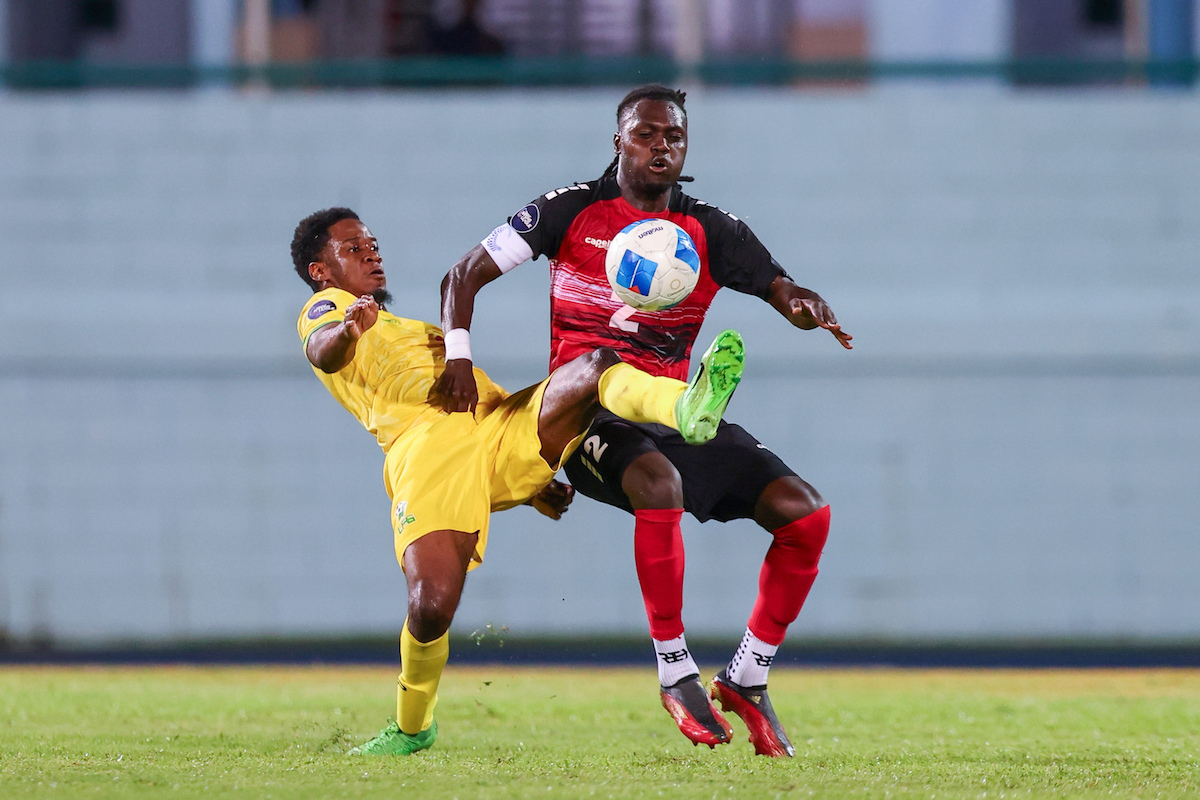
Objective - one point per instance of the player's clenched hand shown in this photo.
(807, 310)
(553, 499)
(456, 387)
(360, 316)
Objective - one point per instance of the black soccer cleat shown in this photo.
(694, 713)
(754, 707)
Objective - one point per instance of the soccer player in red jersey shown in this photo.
(647, 469)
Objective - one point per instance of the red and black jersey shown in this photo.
(573, 226)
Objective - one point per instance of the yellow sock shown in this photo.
(421, 665)
(638, 397)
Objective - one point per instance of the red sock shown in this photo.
(658, 555)
(787, 575)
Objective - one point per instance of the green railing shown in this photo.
(579, 71)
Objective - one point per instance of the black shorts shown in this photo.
(722, 479)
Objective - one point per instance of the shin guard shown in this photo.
(658, 555)
(787, 575)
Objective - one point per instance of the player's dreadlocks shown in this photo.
(310, 238)
(651, 91)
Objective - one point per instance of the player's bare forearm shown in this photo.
(806, 309)
(456, 387)
(473, 271)
(332, 347)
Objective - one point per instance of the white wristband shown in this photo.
(458, 344)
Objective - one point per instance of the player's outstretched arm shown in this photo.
(805, 309)
(332, 347)
(473, 271)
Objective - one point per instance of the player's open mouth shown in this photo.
(659, 165)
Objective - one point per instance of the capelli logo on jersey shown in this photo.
(601, 243)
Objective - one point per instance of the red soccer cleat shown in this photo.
(754, 707)
(694, 713)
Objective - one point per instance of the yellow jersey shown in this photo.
(388, 385)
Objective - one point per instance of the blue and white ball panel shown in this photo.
(685, 250)
(636, 272)
(633, 225)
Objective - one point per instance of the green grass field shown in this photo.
(539, 732)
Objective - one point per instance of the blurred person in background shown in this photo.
(467, 37)
(446, 472)
(645, 469)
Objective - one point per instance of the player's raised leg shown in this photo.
(435, 567)
(578, 389)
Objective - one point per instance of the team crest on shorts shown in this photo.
(403, 518)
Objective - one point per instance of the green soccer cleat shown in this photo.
(391, 741)
(702, 404)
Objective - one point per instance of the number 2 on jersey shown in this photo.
(621, 317)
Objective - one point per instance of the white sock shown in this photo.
(674, 660)
(751, 661)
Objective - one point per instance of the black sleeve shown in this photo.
(543, 223)
(736, 258)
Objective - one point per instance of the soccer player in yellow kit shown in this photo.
(445, 472)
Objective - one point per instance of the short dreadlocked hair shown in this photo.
(651, 91)
(310, 238)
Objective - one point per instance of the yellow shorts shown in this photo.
(452, 473)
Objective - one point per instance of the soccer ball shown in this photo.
(652, 264)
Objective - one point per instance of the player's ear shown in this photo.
(617, 143)
(317, 271)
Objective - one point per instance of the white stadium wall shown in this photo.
(936, 30)
(1011, 450)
